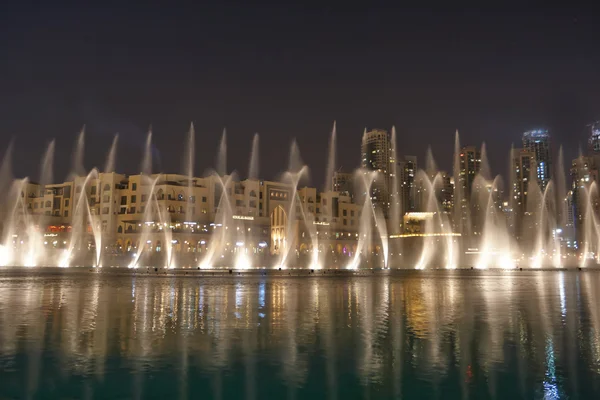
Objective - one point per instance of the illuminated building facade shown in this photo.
(125, 206)
(538, 142)
(377, 154)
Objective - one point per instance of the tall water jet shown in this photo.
(189, 171)
(81, 218)
(147, 160)
(78, 168)
(222, 155)
(6, 176)
(253, 168)
(459, 195)
(109, 167)
(296, 172)
(436, 226)
(47, 166)
(513, 184)
(365, 181)
(591, 236)
(547, 246)
(495, 247)
(223, 219)
(21, 241)
(148, 219)
(330, 160)
(430, 165)
(396, 198)
(46, 177)
(561, 190)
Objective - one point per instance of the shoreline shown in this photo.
(292, 272)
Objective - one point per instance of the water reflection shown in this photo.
(439, 335)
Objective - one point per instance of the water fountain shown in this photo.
(482, 230)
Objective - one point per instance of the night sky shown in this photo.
(288, 71)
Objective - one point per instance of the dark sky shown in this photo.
(288, 71)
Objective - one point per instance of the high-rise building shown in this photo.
(446, 192)
(407, 169)
(378, 155)
(523, 163)
(470, 164)
(594, 140)
(343, 182)
(584, 171)
(538, 142)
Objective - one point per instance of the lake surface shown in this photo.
(438, 335)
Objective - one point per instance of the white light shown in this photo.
(262, 244)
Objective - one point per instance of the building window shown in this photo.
(318, 210)
(192, 199)
(132, 210)
(106, 187)
(204, 211)
(66, 202)
(133, 199)
(106, 199)
(35, 205)
(93, 190)
(345, 213)
(48, 204)
(180, 197)
(345, 222)
(204, 199)
(352, 213)
(123, 200)
(105, 210)
(66, 213)
(260, 195)
(144, 198)
(134, 186)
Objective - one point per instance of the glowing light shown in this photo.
(243, 217)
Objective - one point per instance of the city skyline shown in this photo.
(240, 166)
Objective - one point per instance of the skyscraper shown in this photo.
(377, 154)
(523, 163)
(538, 142)
(407, 169)
(594, 140)
(470, 164)
(343, 182)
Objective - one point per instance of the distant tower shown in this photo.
(376, 155)
(594, 140)
(522, 163)
(538, 142)
(470, 164)
(407, 169)
(342, 182)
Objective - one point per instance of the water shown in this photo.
(428, 334)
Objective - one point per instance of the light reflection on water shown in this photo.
(406, 335)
